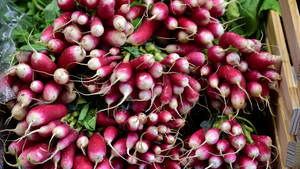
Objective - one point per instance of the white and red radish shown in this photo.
(96, 148)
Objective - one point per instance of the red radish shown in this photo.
(238, 98)
(156, 70)
(24, 72)
(111, 98)
(82, 142)
(142, 146)
(151, 133)
(61, 21)
(72, 34)
(264, 139)
(117, 163)
(39, 153)
(119, 22)
(56, 159)
(166, 94)
(203, 153)
(152, 119)
(208, 4)
(159, 11)
(204, 37)
(124, 9)
(129, 29)
(66, 5)
(251, 150)
(164, 116)
(22, 159)
(177, 7)
(219, 7)
(215, 162)
(119, 149)
(89, 42)
(96, 148)
(56, 45)
(60, 131)
(181, 65)
(172, 164)
(188, 25)
(264, 154)
(171, 23)
(23, 56)
(98, 62)
(16, 147)
(232, 75)
(19, 130)
(143, 33)
(97, 53)
(225, 126)
(67, 97)
(25, 97)
(114, 38)
(96, 27)
(106, 9)
(212, 136)
(71, 56)
(233, 39)
(222, 145)
(145, 95)
(201, 16)
(205, 70)
(110, 134)
(215, 54)
(132, 160)
(236, 128)
(196, 58)
(182, 36)
(196, 139)
(47, 34)
(131, 140)
(233, 58)
(272, 74)
(182, 48)
(46, 130)
(180, 80)
(18, 112)
(61, 76)
(145, 61)
(216, 29)
(191, 95)
(230, 157)
(121, 116)
(225, 89)
(238, 142)
(243, 66)
(51, 92)
(170, 59)
(82, 162)
(254, 88)
(104, 120)
(133, 123)
(67, 157)
(185, 106)
(82, 19)
(90, 3)
(193, 83)
(144, 81)
(135, 12)
(247, 163)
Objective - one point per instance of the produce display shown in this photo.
(113, 84)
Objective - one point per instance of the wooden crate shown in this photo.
(291, 23)
(287, 100)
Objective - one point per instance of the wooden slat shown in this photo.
(287, 100)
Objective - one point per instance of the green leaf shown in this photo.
(90, 120)
(37, 47)
(232, 11)
(51, 12)
(81, 100)
(133, 51)
(83, 112)
(137, 23)
(269, 5)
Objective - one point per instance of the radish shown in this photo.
(264, 139)
(203, 153)
(61, 76)
(243, 66)
(56, 159)
(196, 139)
(19, 130)
(60, 131)
(18, 112)
(129, 29)
(72, 34)
(272, 74)
(177, 7)
(225, 126)
(233, 58)
(172, 164)
(238, 98)
(25, 97)
(222, 146)
(118, 22)
(98, 62)
(230, 157)
(44, 131)
(131, 140)
(143, 33)
(156, 70)
(114, 37)
(105, 9)
(121, 117)
(23, 56)
(97, 53)
(188, 25)
(170, 59)
(71, 56)
(96, 148)
(264, 154)
(82, 162)
(90, 3)
(118, 150)
(247, 163)
(192, 95)
(233, 39)
(51, 92)
(205, 70)
(166, 94)
(215, 162)
(135, 11)
(16, 147)
(75, 15)
(39, 153)
(201, 16)
(196, 58)
(89, 42)
(171, 23)
(82, 142)
(216, 29)
(133, 123)
(152, 118)
(144, 81)
(159, 11)
(24, 72)
(236, 128)
(82, 19)
(185, 106)
(216, 54)
(104, 120)
(56, 45)
(66, 5)
(142, 146)
(145, 61)
(47, 34)
(238, 142)
(96, 27)
(61, 21)
(212, 136)
(181, 65)
(182, 48)
(204, 37)
(251, 150)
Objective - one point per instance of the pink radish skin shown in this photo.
(201, 16)
(105, 9)
(145, 95)
(172, 164)
(56, 45)
(164, 116)
(230, 157)
(272, 74)
(218, 8)
(96, 27)
(82, 162)
(185, 107)
(222, 145)
(182, 48)
(254, 88)
(194, 83)
(215, 54)
(131, 140)
(23, 162)
(56, 159)
(114, 38)
(61, 131)
(43, 114)
(247, 163)
(67, 157)
(89, 42)
(232, 75)
(215, 161)
(90, 3)
(144, 81)
(72, 34)
(156, 70)
(238, 98)
(104, 120)
(75, 15)
(177, 7)
(142, 146)
(42, 63)
(203, 153)
(152, 119)
(170, 59)
(143, 33)
(67, 97)
(66, 5)
(204, 37)
(205, 70)
(166, 94)
(82, 19)
(133, 123)
(148, 157)
(171, 23)
(196, 58)
(180, 80)
(151, 133)
(216, 29)
(225, 126)
(98, 62)
(196, 139)
(251, 150)
(121, 117)
(145, 61)
(24, 72)
(16, 147)
(46, 130)
(61, 76)
(159, 11)
(238, 142)
(71, 56)
(61, 21)
(82, 142)
(225, 89)
(97, 53)
(264, 139)
(243, 66)
(25, 97)
(181, 65)
(212, 136)
(135, 11)
(110, 134)
(233, 58)
(191, 95)
(236, 128)
(47, 34)
(51, 92)
(129, 29)
(182, 36)
(104, 164)
(39, 153)
(264, 152)
(117, 163)
(191, 3)
(96, 148)
(119, 149)
(119, 22)
(231, 38)
(188, 25)
(208, 4)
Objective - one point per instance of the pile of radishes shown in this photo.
(148, 98)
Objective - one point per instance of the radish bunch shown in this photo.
(151, 62)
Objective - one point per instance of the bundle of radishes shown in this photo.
(114, 49)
